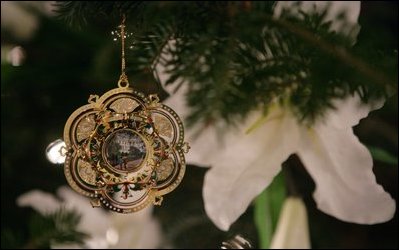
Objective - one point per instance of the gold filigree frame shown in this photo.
(123, 109)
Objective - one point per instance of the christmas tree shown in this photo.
(237, 66)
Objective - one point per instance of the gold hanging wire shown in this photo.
(123, 81)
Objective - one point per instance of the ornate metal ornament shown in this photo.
(124, 150)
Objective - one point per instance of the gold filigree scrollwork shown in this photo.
(154, 100)
(128, 152)
(92, 99)
(85, 127)
(163, 125)
(124, 105)
(158, 201)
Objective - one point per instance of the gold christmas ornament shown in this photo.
(124, 150)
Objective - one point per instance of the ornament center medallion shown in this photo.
(125, 150)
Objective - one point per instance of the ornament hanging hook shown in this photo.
(123, 81)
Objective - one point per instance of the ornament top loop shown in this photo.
(123, 81)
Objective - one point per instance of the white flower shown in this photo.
(106, 230)
(292, 230)
(245, 164)
(21, 22)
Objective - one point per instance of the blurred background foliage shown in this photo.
(64, 64)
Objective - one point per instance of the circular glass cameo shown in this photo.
(125, 150)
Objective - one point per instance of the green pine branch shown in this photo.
(59, 227)
(236, 57)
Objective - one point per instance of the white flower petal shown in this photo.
(137, 230)
(94, 220)
(203, 141)
(348, 26)
(246, 167)
(348, 112)
(292, 231)
(206, 145)
(345, 183)
(18, 19)
(161, 70)
(142, 236)
(42, 202)
(177, 101)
